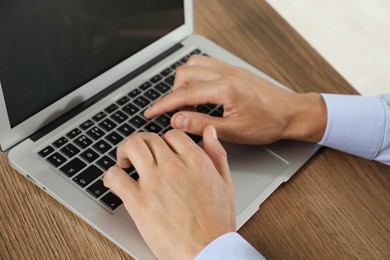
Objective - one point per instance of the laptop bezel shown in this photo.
(9, 137)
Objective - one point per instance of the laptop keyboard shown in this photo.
(87, 151)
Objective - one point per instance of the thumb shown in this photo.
(216, 152)
(195, 122)
(120, 183)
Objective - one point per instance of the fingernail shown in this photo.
(181, 121)
(214, 132)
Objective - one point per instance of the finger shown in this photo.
(135, 152)
(217, 66)
(195, 122)
(157, 146)
(202, 60)
(186, 75)
(120, 183)
(200, 68)
(190, 95)
(217, 153)
(179, 142)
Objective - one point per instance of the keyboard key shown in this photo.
(176, 64)
(56, 159)
(130, 109)
(72, 167)
(46, 151)
(111, 201)
(211, 106)
(89, 155)
(186, 58)
(60, 142)
(107, 125)
(112, 153)
(170, 80)
(97, 189)
(152, 94)
(156, 78)
(135, 176)
(132, 173)
(87, 176)
(166, 72)
(72, 134)
(99, 116)
(70, 150)
(111, 108)
(83, 141)
(171, 113)
(123, 101)
(126, 130)
(134, 93)
(146, 85)
(87, 124)
(203, 109)
(130, 170)
(141, 101)
(196, 51)
(102, 146)
(195, 138)
(95, 133)
(105, 162)
(114, 138)
(152, 127)
(137, 121)
(163, 121)
(216, 113)
(220, 109)
(119, 117)
(167, 129)
(162, 87)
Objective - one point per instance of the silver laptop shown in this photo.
(75, 79)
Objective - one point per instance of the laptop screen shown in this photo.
(49, 48)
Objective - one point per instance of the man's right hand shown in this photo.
(255, 110)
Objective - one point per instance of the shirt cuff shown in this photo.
(355, 124)
(229, 246)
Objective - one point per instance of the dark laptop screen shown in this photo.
(48, 48)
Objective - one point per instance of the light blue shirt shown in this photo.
(230, 246)
(357, 125)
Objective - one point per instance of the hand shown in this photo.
(183, 198)
(255, 110)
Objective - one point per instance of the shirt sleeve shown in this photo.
(359, 125)
(228, 247)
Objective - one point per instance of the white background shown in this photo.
(352, 35)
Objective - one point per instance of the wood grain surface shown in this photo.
(336, 207)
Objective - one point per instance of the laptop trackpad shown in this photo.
(253, 168)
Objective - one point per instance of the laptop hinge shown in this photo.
(72, 113)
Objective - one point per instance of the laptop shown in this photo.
(75, 79)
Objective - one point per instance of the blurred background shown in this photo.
(352, 35)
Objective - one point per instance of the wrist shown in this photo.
(307, 118)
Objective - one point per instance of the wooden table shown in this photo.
(336, 207)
